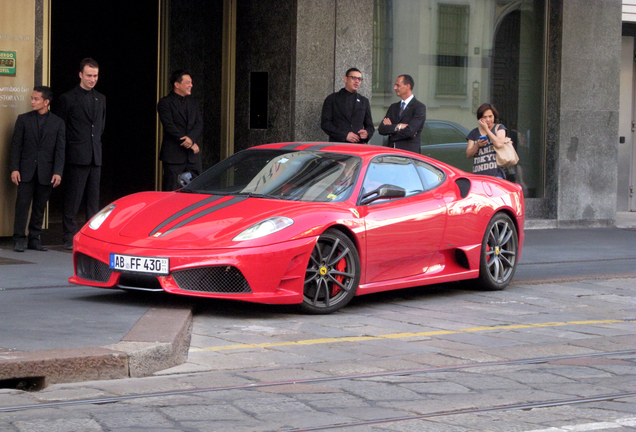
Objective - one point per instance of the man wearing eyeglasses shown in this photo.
(346, 115)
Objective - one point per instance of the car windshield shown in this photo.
(281, 174)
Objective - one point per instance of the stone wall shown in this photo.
(589, 103)
(332, 36)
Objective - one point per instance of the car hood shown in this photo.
(194, 221)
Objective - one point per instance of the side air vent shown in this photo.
(464, 186)
(461, 258)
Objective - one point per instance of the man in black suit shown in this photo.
(83, 109)
(36, 162)
(346, 115)
(182, 123)
(404, 120)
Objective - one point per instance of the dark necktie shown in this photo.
(402, 106)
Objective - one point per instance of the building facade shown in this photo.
(262, 69)
(551, 66)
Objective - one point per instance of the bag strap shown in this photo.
(498, 126)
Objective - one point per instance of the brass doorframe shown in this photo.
(46, 70)
(163, 36)
(228, 78)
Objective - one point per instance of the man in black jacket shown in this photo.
(36, 162)
(182, 123)
(404, 120)
(83, 109)
(346, 115)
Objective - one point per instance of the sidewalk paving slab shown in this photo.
(158, 338)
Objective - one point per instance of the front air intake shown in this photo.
(215, 279)
(89, 268)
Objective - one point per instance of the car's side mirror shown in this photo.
(386, 191)
(185, 178)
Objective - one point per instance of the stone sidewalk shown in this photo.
(155, 335)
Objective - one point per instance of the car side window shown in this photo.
(442, 133)
(431, 175)
(393, 170)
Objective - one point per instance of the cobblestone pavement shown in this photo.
(446, 358)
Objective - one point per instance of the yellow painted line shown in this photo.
(402, 335)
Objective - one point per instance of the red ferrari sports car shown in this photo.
(312, 224)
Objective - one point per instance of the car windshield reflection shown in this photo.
(281, 174)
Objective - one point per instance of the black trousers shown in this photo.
(80, 181)
(409, 146)
(32, 195)
(171, 174)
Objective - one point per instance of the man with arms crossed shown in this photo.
(404, 120)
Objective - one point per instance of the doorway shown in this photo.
(122, 37)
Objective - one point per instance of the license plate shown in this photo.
(139, 264)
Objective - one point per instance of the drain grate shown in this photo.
(25, 384)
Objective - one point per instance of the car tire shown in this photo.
(499, 253)
(333, 274)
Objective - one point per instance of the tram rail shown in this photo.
(407, 372)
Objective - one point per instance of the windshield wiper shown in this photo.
(257, 195)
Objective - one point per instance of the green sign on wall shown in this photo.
(7, 63)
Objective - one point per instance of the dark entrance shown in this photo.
(505, 70)
(122, 36)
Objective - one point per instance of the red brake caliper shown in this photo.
(341, 266)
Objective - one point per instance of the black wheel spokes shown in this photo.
(336, 281)
(494, 266)
(322, 273)
(502, 251)
(321, 284)
(334, 249)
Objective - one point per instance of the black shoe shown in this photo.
(68, 245)
(18, 245)
(36, 245)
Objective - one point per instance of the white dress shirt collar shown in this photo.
(406, 101)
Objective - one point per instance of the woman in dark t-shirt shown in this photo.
(482, 142)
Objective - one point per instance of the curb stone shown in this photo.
(158, 341)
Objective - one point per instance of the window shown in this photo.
(438, 132)
(452, 49)
(395, 171)
(431, 176)
(462, 53)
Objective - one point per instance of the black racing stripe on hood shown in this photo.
(320, 146)
(185, 211)
(205, 212)
(294, 146)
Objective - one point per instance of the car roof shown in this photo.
(363, 150)
(462, 128)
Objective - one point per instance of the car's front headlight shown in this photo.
(97, 220)
(264, 227)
